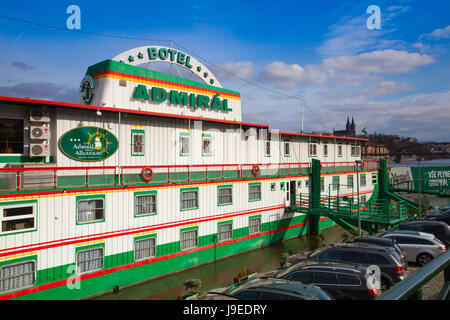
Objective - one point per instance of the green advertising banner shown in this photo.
(88, 144)
(432, 178)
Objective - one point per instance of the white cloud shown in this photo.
(386, 88)
(285, 75)
(443, 33)
(232, 70)
(385, 61)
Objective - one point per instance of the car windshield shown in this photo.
(321, 295)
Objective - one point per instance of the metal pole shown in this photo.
(420, 190)
(303, 108)
(357, 191)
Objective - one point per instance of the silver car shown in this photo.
(419, 247)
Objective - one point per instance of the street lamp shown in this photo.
(358, 162)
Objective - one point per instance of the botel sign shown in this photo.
(88, 144)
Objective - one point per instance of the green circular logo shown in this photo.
(88, 144)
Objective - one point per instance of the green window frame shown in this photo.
(98, 247)
(282, 184)
(137, 143)
(254, 224)
(21, 263)
(141, 249)
(185, 144)
(224, 235)
(287, 147)
(224, 196)
(189, 237)
(362, 202)
(101, 209)
(254, 193)
(299, 183)
(149, 205)
(207, 137)
(18, 217)
(189, 200)
(374, 178)
(273, 186)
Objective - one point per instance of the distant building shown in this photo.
(374, 151)
(350, 130)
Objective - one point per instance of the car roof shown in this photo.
(364, 246)
(422, 222)
(409, 233)
(324, 265)
(384, 241)
(294, 287)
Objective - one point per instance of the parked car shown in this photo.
(342, 281)
(441, 214)
(392, 269)
(439, 229)
(420, 247)
(267, 289)
(380, 241)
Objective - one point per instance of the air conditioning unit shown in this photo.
(39, 116)
(39, 150)
(39, 132)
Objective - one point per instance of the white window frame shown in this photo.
(16, 276)
(374, 179)
(20, 217)
(90, 270)
(312, 149)
(151, 203)
(287, 147)
(151, 248)
(255, 228)
(194, 239)
(94, 220)
(227, 233)
(183, 136)
(133, 144)
(204, 138)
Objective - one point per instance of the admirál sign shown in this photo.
(88, 144)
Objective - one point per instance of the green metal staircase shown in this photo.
(383, 213)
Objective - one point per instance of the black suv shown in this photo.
(439, 229)
(342, 281)
(380, 241)
(392, 269)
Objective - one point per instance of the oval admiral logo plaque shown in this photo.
(88, 144)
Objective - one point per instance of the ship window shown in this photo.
(325, 150)
(145, 204)
(312, 148)
(188, 239)
(17, 276)
(184, 144)
(362, 180)
(254, 225)
(89, 260)
(189, 199)
(363, 202)
(335, 183)
(340, 151)
(287, 148)
(322, 185)
(356, 150)
(90, 210)
(267, 148)
(225, 231)
(374, 178)
(350, 181)
(145, 248)
(254, 192)
(206, 145)
(225, 196)
(137, 142)
(11, 136)
(16, 218)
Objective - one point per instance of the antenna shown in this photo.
(303, 109)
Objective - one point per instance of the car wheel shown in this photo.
(423, 259)
(384, 285)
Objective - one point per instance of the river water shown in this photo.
(426, 163)
(220, 273)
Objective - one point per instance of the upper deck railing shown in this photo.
(18, 179)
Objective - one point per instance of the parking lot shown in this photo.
(431, 290)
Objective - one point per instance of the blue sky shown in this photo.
(391, 80)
